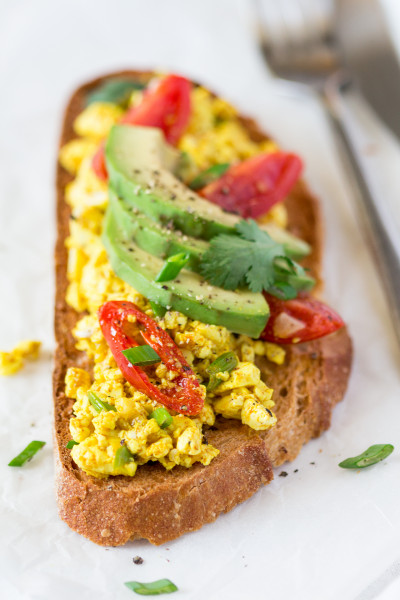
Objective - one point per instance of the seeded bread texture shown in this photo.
(161, 505)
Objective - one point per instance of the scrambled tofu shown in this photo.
(215, 134)
(12, 362)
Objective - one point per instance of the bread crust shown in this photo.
(161, 505)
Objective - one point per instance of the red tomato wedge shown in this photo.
(299, 320)
(184, 396)
(167, 106)
(253, 186)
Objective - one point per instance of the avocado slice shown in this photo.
(139, 163)
(239, 311)
(152, 237)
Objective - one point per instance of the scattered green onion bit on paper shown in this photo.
(71, 444)
(122, 456)
(154, 588)
(141, 356)
(226, 362)
(162, 416)
(208, 176)
(172, 266)
(27, 454)
(98, 403)
(371, 456)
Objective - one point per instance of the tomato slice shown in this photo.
(167, 106)
(253, 186)
(299, 320)
(184, 395)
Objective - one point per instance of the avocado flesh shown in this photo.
(152, 237)
(137, 172)
(138, 163)
(239, 311)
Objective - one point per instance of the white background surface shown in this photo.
(321, 533)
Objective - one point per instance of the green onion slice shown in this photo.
(371, 456)
(208, 176)
(283, 291)
(26, 454)
(98, 403)
(226, 362)
(172, 267)
(161, 586)
(141, 356)
(290, 278)
(116, 91)
(122, 456)
(162, 416)
(71, 444)
(158, 310)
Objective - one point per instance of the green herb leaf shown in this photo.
(208, 176)
(371, 456)
(26, 454)
(71, 444)
(116, 91)
(158, 310)
(172, 267)
(141, 356)
(162, 416)
(161, 586)
(98, 403)
(122, 456)
(253, 259)
(225, 362)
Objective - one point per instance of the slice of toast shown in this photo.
(161, 505)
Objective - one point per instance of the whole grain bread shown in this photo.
(161, 505)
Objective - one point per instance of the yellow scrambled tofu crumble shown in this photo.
(214, 135)
(13, 361)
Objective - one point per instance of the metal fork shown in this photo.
(297, 39)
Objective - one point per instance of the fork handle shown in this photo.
(377, 225)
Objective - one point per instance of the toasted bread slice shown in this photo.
(161, 505)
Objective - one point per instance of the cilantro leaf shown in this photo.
(253, 259)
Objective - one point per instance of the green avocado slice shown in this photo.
(140, 165)
(239, 311)
(152, 237)
(166, 241)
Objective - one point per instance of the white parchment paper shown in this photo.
(319, 533)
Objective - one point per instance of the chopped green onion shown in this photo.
(226, 362)
(208, 176)
(172, 267)
(158, 310)
(123, 456)
(98, 403)
(283, 291)
(162, 416)
(161, 586)
(141, 356)
(26, 454)
(290, 278)
(71, 444)
(116, 91)
(371, 456)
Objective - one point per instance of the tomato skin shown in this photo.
(318, 318)
(99, 163)
(185, 396)
(167, 106)
(253, 186)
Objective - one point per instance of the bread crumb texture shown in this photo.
(214, 135)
